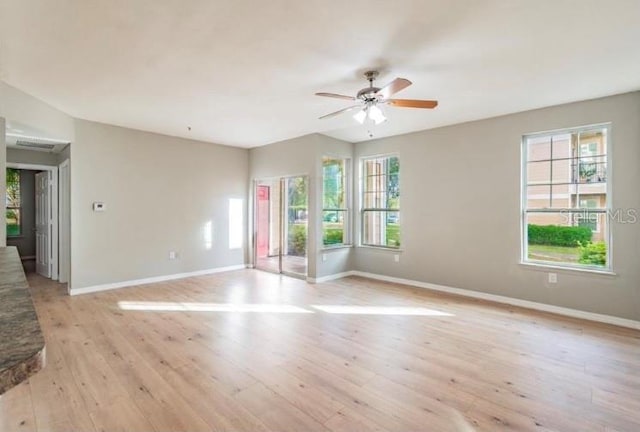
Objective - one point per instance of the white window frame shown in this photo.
(608, 268)
(363, 209)
(348, 182)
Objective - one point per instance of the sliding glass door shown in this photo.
(281, 225)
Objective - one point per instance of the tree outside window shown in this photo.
(13, 204)
(335, 209)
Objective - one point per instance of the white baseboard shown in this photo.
(330, 277)
(155, 279)
(574, 313)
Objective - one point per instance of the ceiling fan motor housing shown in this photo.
(368, 94)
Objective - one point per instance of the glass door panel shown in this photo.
(268, 215)
(294, 257)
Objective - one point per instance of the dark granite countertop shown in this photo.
(22, 350)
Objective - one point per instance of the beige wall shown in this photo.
(460, 204)
(159, 192)
(303, 155)
(31, 157)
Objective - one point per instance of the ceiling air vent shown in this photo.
(35, 145)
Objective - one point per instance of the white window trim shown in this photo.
(608, 269)
(361, 209)
(348, 184)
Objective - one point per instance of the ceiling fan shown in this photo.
(370, 98)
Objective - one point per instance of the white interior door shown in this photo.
(43, 234)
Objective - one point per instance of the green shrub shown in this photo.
(13, 230)
(297, 240)
(393, 235)
(593, 253)
(332, 236)
(556, 235)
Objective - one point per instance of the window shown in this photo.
(14, 204)
(335, 199)
(566, 198)
(380, 221)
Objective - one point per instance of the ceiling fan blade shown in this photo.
(341, 111)
(412, 103)
(337, 96)
(393, 87)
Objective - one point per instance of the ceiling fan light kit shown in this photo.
(376, 114)
(370, 97)
(372, 112)
(360, 116)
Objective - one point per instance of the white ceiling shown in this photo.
(244, 72)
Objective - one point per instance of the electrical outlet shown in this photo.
(172, 255)
(553, 278)
(396, 258)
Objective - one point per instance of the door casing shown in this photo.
(52, 212)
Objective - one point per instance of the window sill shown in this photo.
(547, 267)
(336, 247)
(380, 248)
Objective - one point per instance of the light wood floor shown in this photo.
(297, 367)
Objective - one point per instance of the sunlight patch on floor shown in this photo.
(379, 310)
(209, 307)
(277, 308)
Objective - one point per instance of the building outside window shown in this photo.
(380, 214)
(566, 198)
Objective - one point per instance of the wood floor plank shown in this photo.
(58, 403)
(347, 420)
(381, 408)
(275, 411)
(222, 411)
(16, 410)
(120, 416)
(300, 394)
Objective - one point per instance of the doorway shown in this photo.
(281, 225)
(32, 216)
